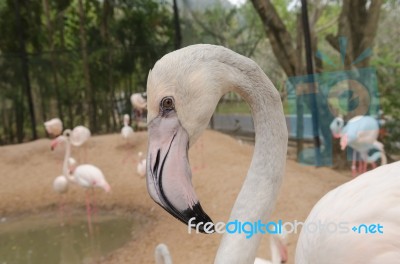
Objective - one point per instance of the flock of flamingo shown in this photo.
(183, 89)
(87, 176)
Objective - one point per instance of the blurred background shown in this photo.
(80, 60)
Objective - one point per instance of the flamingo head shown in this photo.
(60, 139)
(180, 105)
(336, 126)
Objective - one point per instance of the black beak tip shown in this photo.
(199, 220)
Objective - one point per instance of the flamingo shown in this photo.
(54, 127)
(162, 254)
(141, 167)
(278, 250)
(360, 133)
(86, 175)
(126, 130)
(139, 104)
(196, 77)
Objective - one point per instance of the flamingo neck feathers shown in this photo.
(259, 191)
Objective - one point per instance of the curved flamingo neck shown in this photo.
(258, 194)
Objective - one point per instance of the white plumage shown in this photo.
(54, 127)
(371, 198)
(127, 130)
(360, 133)
(60, 184)
(89, 176)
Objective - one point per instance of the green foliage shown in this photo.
(234, 27)
(124, 40)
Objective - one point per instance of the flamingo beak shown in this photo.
(169, 177)
(54, 144)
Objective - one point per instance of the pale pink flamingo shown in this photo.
(360, 133)
(85, 175)
(139, 104)
(127, 130)
(54, 127)
(196, 77)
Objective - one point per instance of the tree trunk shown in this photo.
(53, 58)
(107, 14)
(358, 23)
(86, 70)
(66, 90)
(25, 75)
(279, 36)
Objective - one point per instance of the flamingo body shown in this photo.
(360, 133)
(371, 198)
(54, 127)
(60, 184)
(89, 176)
(127, 130)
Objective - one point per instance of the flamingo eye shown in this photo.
(167, 103)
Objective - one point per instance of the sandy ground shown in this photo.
(27, 172)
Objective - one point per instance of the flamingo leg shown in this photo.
(94, 211)
(365, 166)
(88, 211)
(360, 166)
(354, 164)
